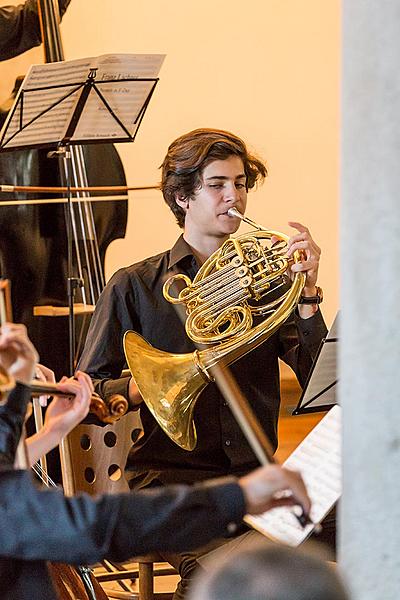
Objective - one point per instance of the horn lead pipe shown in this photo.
(233, 212)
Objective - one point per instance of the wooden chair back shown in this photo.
(93, 460)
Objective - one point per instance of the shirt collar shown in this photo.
(180, 250)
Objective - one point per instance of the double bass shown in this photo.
(34, 247)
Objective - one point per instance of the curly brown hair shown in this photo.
(188, 156)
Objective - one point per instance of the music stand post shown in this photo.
(64, 154)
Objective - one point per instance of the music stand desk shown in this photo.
(319, 393)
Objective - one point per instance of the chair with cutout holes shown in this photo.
(93, 461)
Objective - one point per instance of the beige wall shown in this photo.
(268, 70)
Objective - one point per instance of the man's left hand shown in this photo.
(310, 252)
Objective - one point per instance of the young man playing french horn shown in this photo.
(205, 173)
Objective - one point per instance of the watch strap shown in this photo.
(317, 299)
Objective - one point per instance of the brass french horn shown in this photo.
(246, 277)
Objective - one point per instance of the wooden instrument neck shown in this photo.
(49, 24)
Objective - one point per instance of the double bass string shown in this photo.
(90, 271)
(91, 231)
(81, 231)
(75, 172)
(31, 189)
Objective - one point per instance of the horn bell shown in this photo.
(169, 385)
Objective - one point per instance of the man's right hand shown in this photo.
(271, 486)
(135, 399)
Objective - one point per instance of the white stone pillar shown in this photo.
(370, 298)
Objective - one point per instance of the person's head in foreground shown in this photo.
(260, 570)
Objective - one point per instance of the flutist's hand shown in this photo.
(17, 353)
(62, 415)
(272, 486)
(46, 375)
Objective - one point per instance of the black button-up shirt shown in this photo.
(133, 300)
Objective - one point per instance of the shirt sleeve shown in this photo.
(118, 527)
(12, 416)
(299, 342)
(103, 354)
(20, 29)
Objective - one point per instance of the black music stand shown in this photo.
(77, 103)
(319, 393)
(62, 122)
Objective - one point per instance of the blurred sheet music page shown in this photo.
(318, 458)
(56, 87)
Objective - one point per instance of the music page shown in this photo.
(318, 458)
(320, 388)
(48, 96)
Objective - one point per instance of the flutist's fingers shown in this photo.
(45, 374)
(65, 413)
(273, 485)
(79, 384)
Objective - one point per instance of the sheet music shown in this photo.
(318, 458)
(320, 389)
(125, 98)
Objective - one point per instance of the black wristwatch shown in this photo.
(313, 299)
